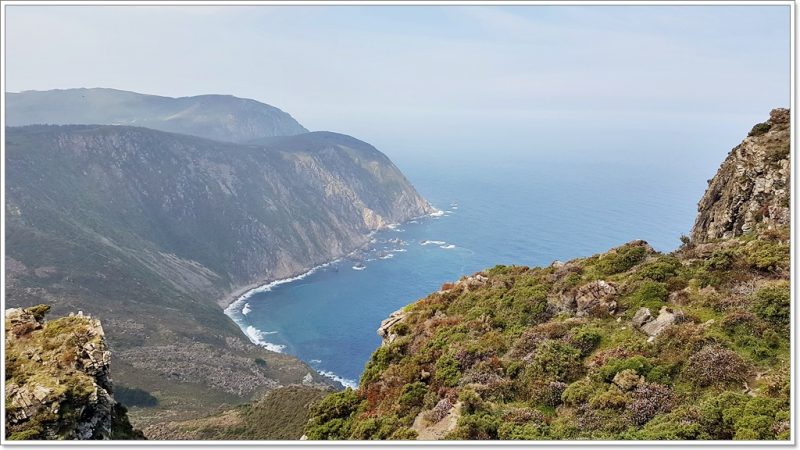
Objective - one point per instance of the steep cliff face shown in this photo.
(752, 186)
(628, 344)
(218, 117)
(58, 383)
(152, 231)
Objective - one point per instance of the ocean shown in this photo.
(514, 213)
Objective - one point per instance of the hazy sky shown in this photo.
(581, 80)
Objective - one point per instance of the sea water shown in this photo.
(525, 214)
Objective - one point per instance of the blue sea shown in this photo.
(514, 213)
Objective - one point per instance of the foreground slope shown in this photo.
(151, 231)
(218, 117)
(58, 383)
(629, 344)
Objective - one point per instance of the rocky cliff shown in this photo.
(628, 344)
(153, 231)
(752, 186)
(58, 383)
(218, 117)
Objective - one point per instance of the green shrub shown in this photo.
(661, 269)
(332, 417)
(38, 311)
(412, 395)
(479, 426)
(579, 392)
(638, 364)
(649, 294)
(731, 415)
(766, 256)
(772, 303)
(526, 432)
(586, 339)
(621, 260)
(471, 402)
(556, 360)
(759, 129)
(447, 371)
(722, 259)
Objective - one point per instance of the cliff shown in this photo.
(752, 186)
(58, 383)
(628, 344)
(153, 231)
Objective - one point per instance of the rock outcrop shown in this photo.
(385, 329)
(57, 379)
(752, 185)
(644, 321)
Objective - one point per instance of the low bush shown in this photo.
(716, 365)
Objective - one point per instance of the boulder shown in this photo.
(596, 298)
(644, 321)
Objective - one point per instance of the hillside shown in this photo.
(153, 231)
(219, 117)
(629, 344)
(58, 383)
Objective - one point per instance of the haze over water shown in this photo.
(504, 213)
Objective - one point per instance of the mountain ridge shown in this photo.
(219, 117)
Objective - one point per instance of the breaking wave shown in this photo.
(345, 381)
(256, 336)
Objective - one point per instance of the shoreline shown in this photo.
(228, 300)
(234, 303)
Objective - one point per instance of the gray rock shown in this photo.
(751, 186)
(387, 337)
(644, 321)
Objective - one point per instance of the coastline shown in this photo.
(234, 303)
(228, 300)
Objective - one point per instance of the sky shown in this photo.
(666, 84)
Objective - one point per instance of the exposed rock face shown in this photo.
(752, 185)
(57, 380)
(592, 299)
(384, 331)
(653, 326)
(596, 297)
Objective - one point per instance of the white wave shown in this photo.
(454, 207)
(246, 309)
(400, 230)
(447, 247)
(234, 310)
(393, 226)
(345, 381)
(256, 336)
(427, 242)
(359, 267)
(315, 361)
(413, 221)
(399, 250)
(437, 213)
(387, 256)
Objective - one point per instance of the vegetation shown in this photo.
(508, 346)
